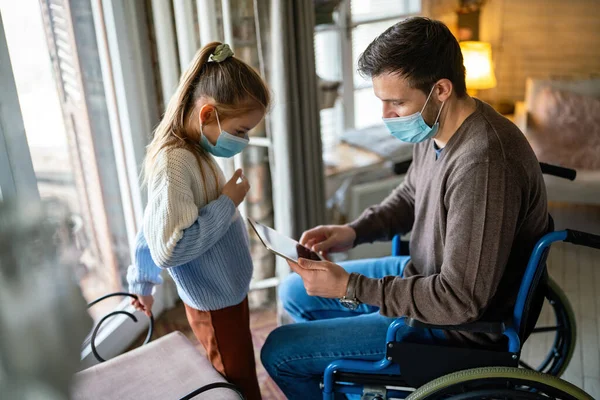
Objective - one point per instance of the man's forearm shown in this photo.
(394, 215)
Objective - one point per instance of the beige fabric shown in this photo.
(586, 188)
(586, 85)
(564, 129)
(168, 368)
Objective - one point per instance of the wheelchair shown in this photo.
(431, 371)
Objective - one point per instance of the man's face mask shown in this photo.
(227, 144)
(412, 128)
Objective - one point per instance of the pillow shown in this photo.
(564, 129)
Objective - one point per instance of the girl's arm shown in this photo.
(177, 232)
(143, 274)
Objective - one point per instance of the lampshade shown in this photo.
(478, 63)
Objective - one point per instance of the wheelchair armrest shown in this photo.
(479, 326)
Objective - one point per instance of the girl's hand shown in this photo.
(143, 304)
(236, 191)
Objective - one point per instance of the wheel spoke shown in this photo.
(548, 329)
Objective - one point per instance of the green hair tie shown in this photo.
(221, 53)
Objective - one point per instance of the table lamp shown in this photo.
(478, 63)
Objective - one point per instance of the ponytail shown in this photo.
(169, 132)
(231, 84)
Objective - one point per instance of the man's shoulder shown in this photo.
(490, 137)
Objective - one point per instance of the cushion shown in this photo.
(564, 129)
(168, 368)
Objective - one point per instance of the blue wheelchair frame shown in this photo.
(511, 330)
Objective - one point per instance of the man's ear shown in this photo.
(443, 89)
(207, 113)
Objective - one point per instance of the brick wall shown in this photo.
(540, 38)
(532, 38)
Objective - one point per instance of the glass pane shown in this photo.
(414, 6)
(331, 126)
(365, 10)
(329, 67)
(51, 151)
(327, 55)
(368, 108)
(362, 36)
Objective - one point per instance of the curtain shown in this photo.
(298, 179)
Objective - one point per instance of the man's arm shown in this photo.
(483, 205)
(396, 214)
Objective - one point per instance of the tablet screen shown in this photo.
(283, 245)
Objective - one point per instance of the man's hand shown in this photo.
(322, 278)
(143, 304)
(329, 239)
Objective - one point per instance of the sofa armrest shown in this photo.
(520, 118)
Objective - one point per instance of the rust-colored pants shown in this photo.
(225, 334)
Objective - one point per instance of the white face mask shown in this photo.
(412, 128)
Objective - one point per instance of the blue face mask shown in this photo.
(227, 145)
(412, 128)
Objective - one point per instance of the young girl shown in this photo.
(191, 223)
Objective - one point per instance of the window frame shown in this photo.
(131, 96)
(131, 124)
(346, 25)
(17, 177)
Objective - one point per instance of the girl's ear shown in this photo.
(207, 113)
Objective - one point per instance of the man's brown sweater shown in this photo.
(475, 214)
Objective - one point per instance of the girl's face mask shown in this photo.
(412, 128)
(227, 145)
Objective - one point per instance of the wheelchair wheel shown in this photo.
(565, 333)
(498, 383)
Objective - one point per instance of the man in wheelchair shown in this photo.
(473, 199)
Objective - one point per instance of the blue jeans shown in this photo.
(296, 355)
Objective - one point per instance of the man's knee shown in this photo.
(291, 292)
(273, 350)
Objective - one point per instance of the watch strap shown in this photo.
(351, 289)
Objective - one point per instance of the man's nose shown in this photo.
(389, 112)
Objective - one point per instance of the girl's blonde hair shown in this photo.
(231, 85)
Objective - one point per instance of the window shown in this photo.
(59, 137)
(338, 47)
(88, 104)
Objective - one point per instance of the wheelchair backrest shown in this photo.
(530, 298)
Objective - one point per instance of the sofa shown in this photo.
(561, 120)
(168, 368)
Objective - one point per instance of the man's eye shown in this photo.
(397, 103)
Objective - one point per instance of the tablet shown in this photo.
(281, 245)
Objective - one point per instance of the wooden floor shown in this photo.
(576, 270)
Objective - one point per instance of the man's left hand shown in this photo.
(322, 278)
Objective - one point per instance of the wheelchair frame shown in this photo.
(359, 377)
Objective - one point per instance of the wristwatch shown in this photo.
(349, 300)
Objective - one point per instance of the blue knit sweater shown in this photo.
(195, 233)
